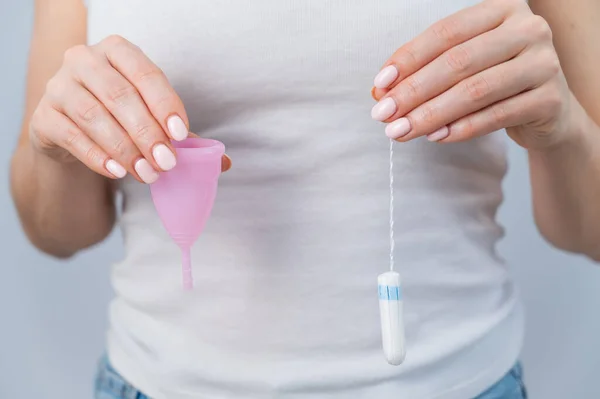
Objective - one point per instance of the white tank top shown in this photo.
(285, 303)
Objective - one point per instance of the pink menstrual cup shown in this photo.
(184, 196)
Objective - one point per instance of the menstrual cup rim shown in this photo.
(198, 154)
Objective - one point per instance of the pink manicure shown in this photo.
(439, 134)
(386, 77)
(177, 128)
(397, 129)
(115, 168)
(164, 157)
(145, 171)
(384, 109)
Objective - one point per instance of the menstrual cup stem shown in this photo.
(186, 268)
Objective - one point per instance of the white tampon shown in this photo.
(392, 321)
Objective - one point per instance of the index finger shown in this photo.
(438, 38)
(152, 84)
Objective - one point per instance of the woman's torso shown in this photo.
(285, 303)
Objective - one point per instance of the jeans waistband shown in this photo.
(110, 385)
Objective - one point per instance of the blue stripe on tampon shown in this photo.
(382, 292)
(394, 293)
(389, 293)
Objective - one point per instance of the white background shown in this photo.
(53, 314)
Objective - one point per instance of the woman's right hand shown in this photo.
(113, 109)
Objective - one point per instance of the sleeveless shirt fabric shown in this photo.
(285, 303)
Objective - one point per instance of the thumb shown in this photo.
(225, 161)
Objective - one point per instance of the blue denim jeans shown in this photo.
(110, 385)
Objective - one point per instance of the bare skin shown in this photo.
(491, 66)
(528, 68)
(93, 114)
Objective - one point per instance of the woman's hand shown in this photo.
(113, 109)
(487, 67)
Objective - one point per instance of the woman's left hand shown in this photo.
(487, 67)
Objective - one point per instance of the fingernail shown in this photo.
(386, 77)
(384, 109)
(146, 171)
(164, 157)
(177, 128)
(397, 129)
(115, 168)
(439, 134)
